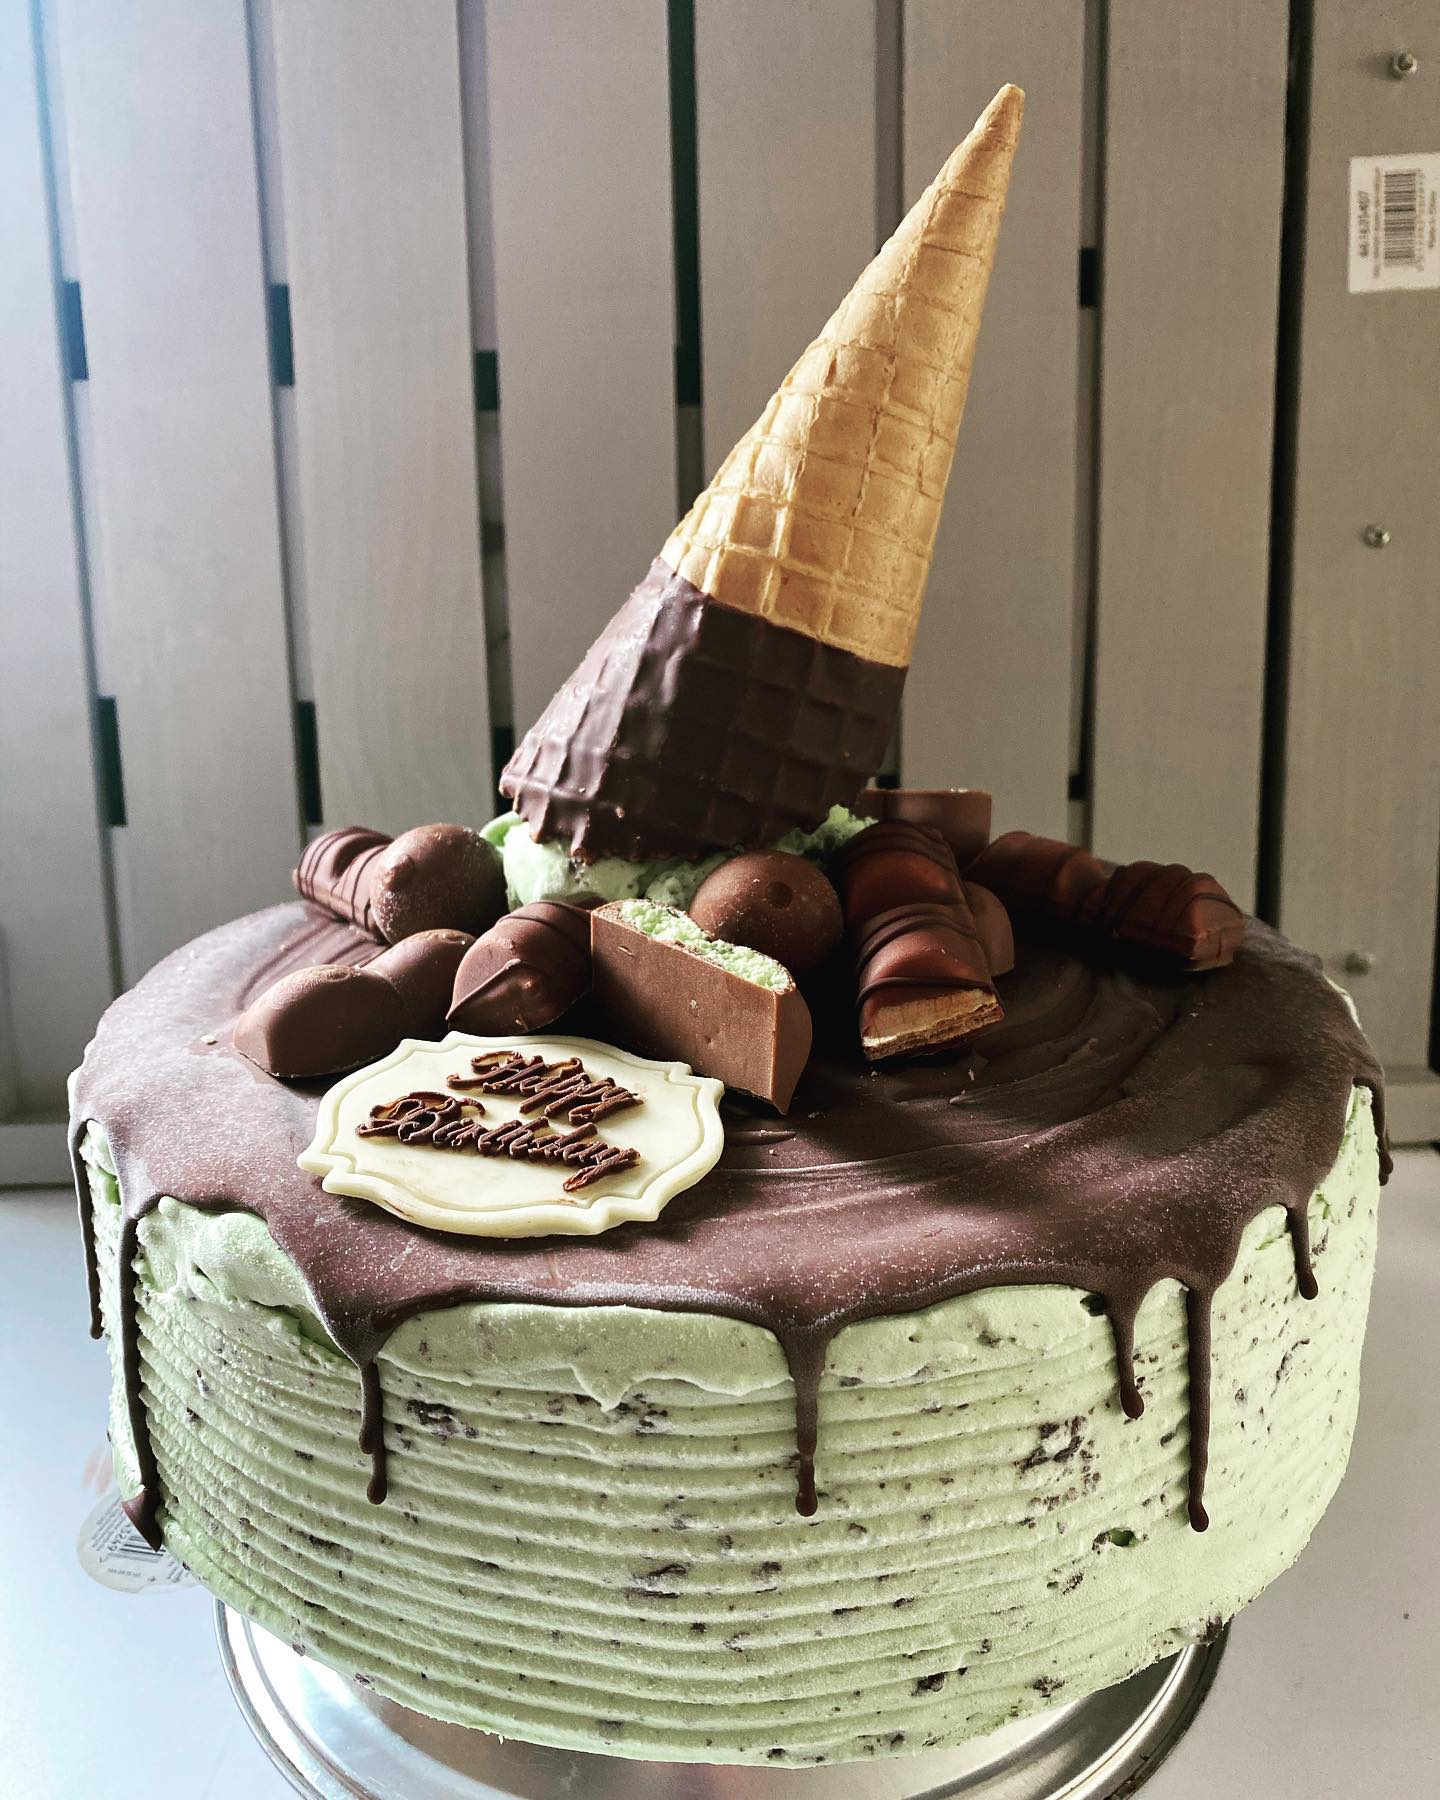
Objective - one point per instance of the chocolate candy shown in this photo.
(992, 922)
(666, 1001)
(894, 864)
(960, 815)
(334, 873)
(525, 972)
(1038, 875)
(923, 980)
(770, 901)
(321, 1021)
(1177, 912)
(434, 877)
(421, 969)
(1182, 914)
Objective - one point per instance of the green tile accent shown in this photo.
(307, 761)
(107, 750)
(282, 344)
(72, 332)
(487, 381)
(685, 201)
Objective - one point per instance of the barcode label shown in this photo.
(1394, 223)
(113, 1553)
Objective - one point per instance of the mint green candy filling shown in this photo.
(672, 927)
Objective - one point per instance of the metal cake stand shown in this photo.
(337, 1741)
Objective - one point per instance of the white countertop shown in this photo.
(1329, 1690)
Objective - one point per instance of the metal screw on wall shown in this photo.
(1376, 536)
(1403, 63)
(1359, 962)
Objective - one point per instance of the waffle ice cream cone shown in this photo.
(823, 516)
(752, 680)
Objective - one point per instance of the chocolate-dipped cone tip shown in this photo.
(823, 516)
(752, 680)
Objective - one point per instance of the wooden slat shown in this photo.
(475, 104)
(185, 541)
(1412, 1105)
(988, 696)
(1361, 794)
(785, 128)
(1194, 155)
(371, 168)
(580, 189)
(475, 107)
(54, 934)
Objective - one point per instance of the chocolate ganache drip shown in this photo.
(1159, 1116)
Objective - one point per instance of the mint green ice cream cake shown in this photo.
(945, 1287)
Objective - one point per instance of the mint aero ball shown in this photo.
(778, 904)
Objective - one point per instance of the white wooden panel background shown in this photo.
(431, 190)
(1194, 156)
(785, 128)
(185, 542)
(988, 700)
(1362, 762)
(375, 235)
(55, 962)
(584, 291)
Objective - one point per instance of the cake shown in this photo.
(995, 1334)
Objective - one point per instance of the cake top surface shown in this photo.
(1112, 1131)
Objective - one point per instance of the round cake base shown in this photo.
(335, 1741)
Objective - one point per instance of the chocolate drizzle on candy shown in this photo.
(922, 980)
(960, 815)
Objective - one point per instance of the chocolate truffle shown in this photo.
(770, 901)
(421, 969)
(436, 876)
(321, 1021)
(524, 972)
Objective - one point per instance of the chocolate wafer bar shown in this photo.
(1182, 914)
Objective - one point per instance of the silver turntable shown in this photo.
(335, 1740)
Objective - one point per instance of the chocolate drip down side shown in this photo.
(1160, 1116)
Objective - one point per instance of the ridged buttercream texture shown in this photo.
(591, 1538)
